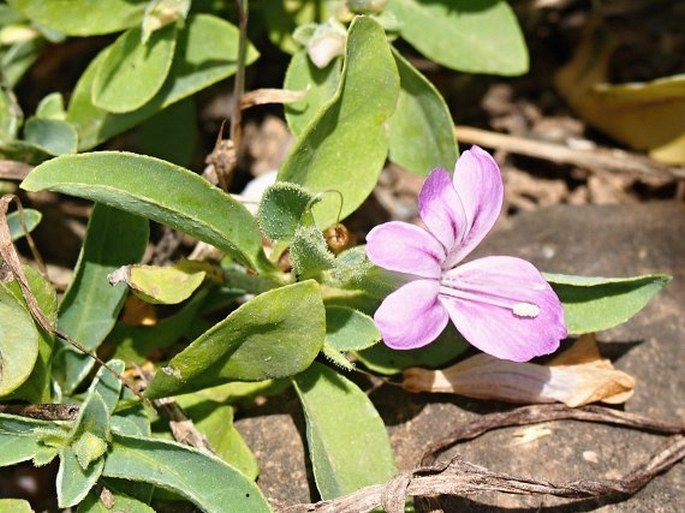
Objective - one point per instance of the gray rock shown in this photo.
(608, 241)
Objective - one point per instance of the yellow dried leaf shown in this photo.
(577, 377)
(649, 115)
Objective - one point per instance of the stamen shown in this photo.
(521, 309)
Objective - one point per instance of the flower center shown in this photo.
(453, 287)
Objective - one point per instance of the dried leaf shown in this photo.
(577, 377)
(266, 95)
(648, 115)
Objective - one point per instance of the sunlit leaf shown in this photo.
(276, 334)
(350, 451)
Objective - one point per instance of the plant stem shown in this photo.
(239, 85)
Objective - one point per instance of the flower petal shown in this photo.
(412, 316)
(405, 248)
(504, 307)
(441, 210)
(478, 181)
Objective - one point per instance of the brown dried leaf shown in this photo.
(266, 95)
(577, 377)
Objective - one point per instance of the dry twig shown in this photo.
(595, 159)
(458, 477)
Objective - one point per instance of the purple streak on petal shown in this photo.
(412, 316)
(478, 182)
(405, 248)
(483, 298)
(441, 210)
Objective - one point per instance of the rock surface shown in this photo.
(608, 241)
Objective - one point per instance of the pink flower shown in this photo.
(502, 305)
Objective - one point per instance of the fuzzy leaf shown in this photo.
(276, 334)
(160, 191)
(344, 147)
(208, 482)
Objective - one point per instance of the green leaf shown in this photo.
(91, 305)
(320, 84)
(37, 387)
(215, 420)
(132, 72)
(309, 251)
(171, 134)
(593, 303)
(421, 129)
(160, 191)
(476, 36)
(51, 107)
(15, 506)
(53, 136)
(83, 17)
(347, 452)
(31, 220)
(23, 438)
(81, 463)
(19, 342)
(160, 285)
(281, 209)
(206, 53)
(349, 330)
(73, 482)
(107, 385)
(91, 433)
(276, 334)
(344, 147)
(380, 358)
(206, 481)
(18, 58)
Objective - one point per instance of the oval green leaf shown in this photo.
(162, 285)
(37, 388)
(345, 146)
(196, 65)
(91, 305)
(348, 329)
(53, 136)
(206, 481)
(347, 452)
(132, 72)
(31, 220)
(160, 191)
(593, 303)
(320, 84)
(476, 36)
(83, 17)
(421, 129)
(276, 334)
(15, 506)
(19, 341)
